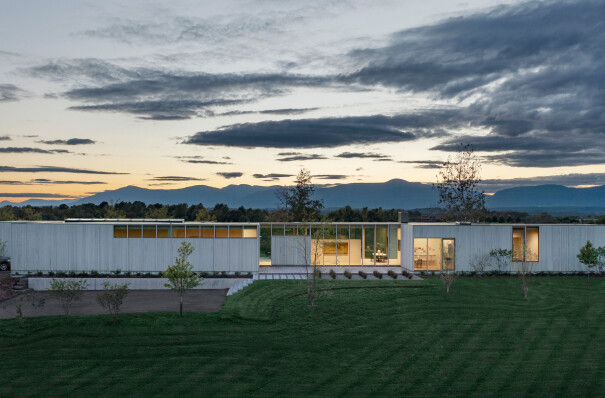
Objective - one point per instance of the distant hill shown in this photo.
(554, 199)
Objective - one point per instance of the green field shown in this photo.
(365, 338)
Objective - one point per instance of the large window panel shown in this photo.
(120, 231)
(250, 232)
(368, 246)
(207, 232)
(135, 231)
(342, 235)
(178, 231)
(164, 231)
(356, 245)
(382, 245)
(532, 244)
(222, 232)
(420, 254)
(518, 244)
(149, 231)
(236, 232)
(434, 254)
(449, 255)
(193, 231)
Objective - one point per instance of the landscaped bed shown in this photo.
(364, 338)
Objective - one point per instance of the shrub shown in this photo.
(317, 273)
(377, 274)
(503, 258)
(333, 274)
(237, 273)
(127, 273)
(112, 297)
(363, 274)
(480, 263)
(72, 274)
(139, 274)
(223, 273)
(94, 273)
(117, 272)
(39, 273)
(67, 291)
(51, 273)
(392, 274)
(61, 273)
(148, 275)
(410, 276)
(348, 275)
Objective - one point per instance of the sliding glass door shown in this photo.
(434, 254)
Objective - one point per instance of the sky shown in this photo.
(99, 95)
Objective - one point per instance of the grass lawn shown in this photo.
(381, 338)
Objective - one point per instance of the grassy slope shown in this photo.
(483, 339)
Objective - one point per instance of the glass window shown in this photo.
(207, 232)
(120, 231)
(290, 230)
(236, 232)
(148, 231)
(356, 246)
(382, 245)
(277, 230)
(135, 231)
(532, 245)
(518, 244)
(221, 232)
(193, 231)
(368, 245)
(449, 255)
(420, 254)
(178, 231)
(164, 231)
(393, 242)
(250, 231)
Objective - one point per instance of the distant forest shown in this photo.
(222, 213)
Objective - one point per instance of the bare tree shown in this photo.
(524, 269)
(458, 187)
(448, 274)
(311, 251)
(503, 258)
(112, 297)
(480, 262)
(68, 291)
(297, 200)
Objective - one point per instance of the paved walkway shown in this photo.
(301, 272)
(136, 301)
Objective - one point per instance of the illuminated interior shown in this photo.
(434, 254)
(528, 239)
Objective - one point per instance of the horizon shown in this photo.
(97, 97)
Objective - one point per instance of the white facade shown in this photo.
(59, 246)
(558, 245)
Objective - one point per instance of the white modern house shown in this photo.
(140, 245)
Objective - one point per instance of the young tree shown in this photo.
(67, 291)
(503, 258)
(524, 270)
(297, 200)
(311, 243)
(112, 297)
(180, 276)
(458, 187)
(589, 256)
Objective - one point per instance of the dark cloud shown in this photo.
(532, 75)
(370, 155)
(176, 179)
(34, 195)
(570, 180)
(302, 157)
(32, 150)
(10, 92)
(68, 182)
(52, 169)
(272, 176)
(5, 138)
(333, 132)
(71, 141)
(285, 111)
(330, 176)
(424, 164)
(199, 160)
(228, 175)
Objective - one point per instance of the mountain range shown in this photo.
(391, 194)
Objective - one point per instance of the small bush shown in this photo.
(333, 274)
(392, 274)
(148, 275)
(410, 276)
(223, 273)
(237, 273)
(39, 273)
(61, 273)
(67, 291)
(51, 273)
(127, 273)
(139, 274)
(204, 274)
(377, 274)
(117, 272)
(317, 273)
(112, 297)
(72, 274)
(348, 275)
(94, 273)
(363, 274)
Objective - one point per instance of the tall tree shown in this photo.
(181, 276)
(458, 187)
(297, 200)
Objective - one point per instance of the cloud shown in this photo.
(69, 182)
(272, 176)
(31, 150)
(229, 175)
(525, 73)
(569, 180)
(10, 92)
(35, 195)
(333, 132)
(330, 176)
(176, 179)
(424, 164)
(301, 157)
(361, 155)
(284, 111)
(71, 141)
(5, 138)
(52, 169)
